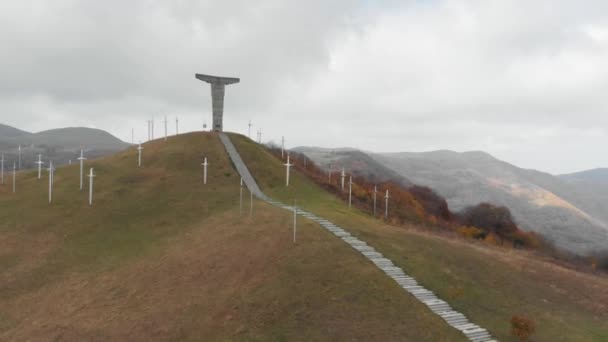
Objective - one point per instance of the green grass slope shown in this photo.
(159, 256)
(489, 285)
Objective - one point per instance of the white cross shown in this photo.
(241, 199)
(2, 169)
(375, 192)
(81, 159)
(166, 128)
(205, 170)
(288, 166)
(39, 162)
(91, 175)
(295, 214)
(14, 176)
(51, 171)
(350, 191)
(343, 176)
(386, 205)
(139, 148)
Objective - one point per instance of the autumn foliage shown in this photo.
(522, 327)
(417, 204)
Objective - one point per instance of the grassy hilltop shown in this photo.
(159, 256)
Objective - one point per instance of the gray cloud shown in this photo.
(523, 80)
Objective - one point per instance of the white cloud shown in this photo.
(518, 79)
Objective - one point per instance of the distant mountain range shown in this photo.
(59, 145)
(356, 162)
(594, 176)
(569, 210)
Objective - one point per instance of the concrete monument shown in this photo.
(218, 88)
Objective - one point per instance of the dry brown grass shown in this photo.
(158, 257)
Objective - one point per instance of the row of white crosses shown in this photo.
(386, 197)
(288, 166)
(14, 171)
(151, 129)
(51, 169)
(350, 191)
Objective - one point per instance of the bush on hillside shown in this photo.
(432, 203)
(472, 232)
(522, 327)
(492, 219)
(599, 261)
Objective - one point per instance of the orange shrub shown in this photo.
(493, 239)
(471, 232)
(522, 327)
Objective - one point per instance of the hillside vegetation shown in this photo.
(159, 256)
(488, 284)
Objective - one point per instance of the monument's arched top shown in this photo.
(218, 84)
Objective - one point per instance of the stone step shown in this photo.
(451, 314)
(354, 241)
(373, 255)
(404, 279)
(421, 290)
(364, 248)
(405, 282)
(392, 268)
(457, 321)
(439, 308)
(467, 326)
(410, 288)
(381, 264)
(478, 337)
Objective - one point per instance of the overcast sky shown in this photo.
(526, 81)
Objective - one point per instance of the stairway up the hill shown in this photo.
(454, 318)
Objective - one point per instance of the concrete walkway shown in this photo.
(441, 308)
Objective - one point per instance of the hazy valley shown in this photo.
(568, 209)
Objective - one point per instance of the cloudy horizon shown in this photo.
(523, 81)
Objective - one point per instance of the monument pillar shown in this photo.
(218, 89)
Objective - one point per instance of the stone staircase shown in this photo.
(454, 318)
